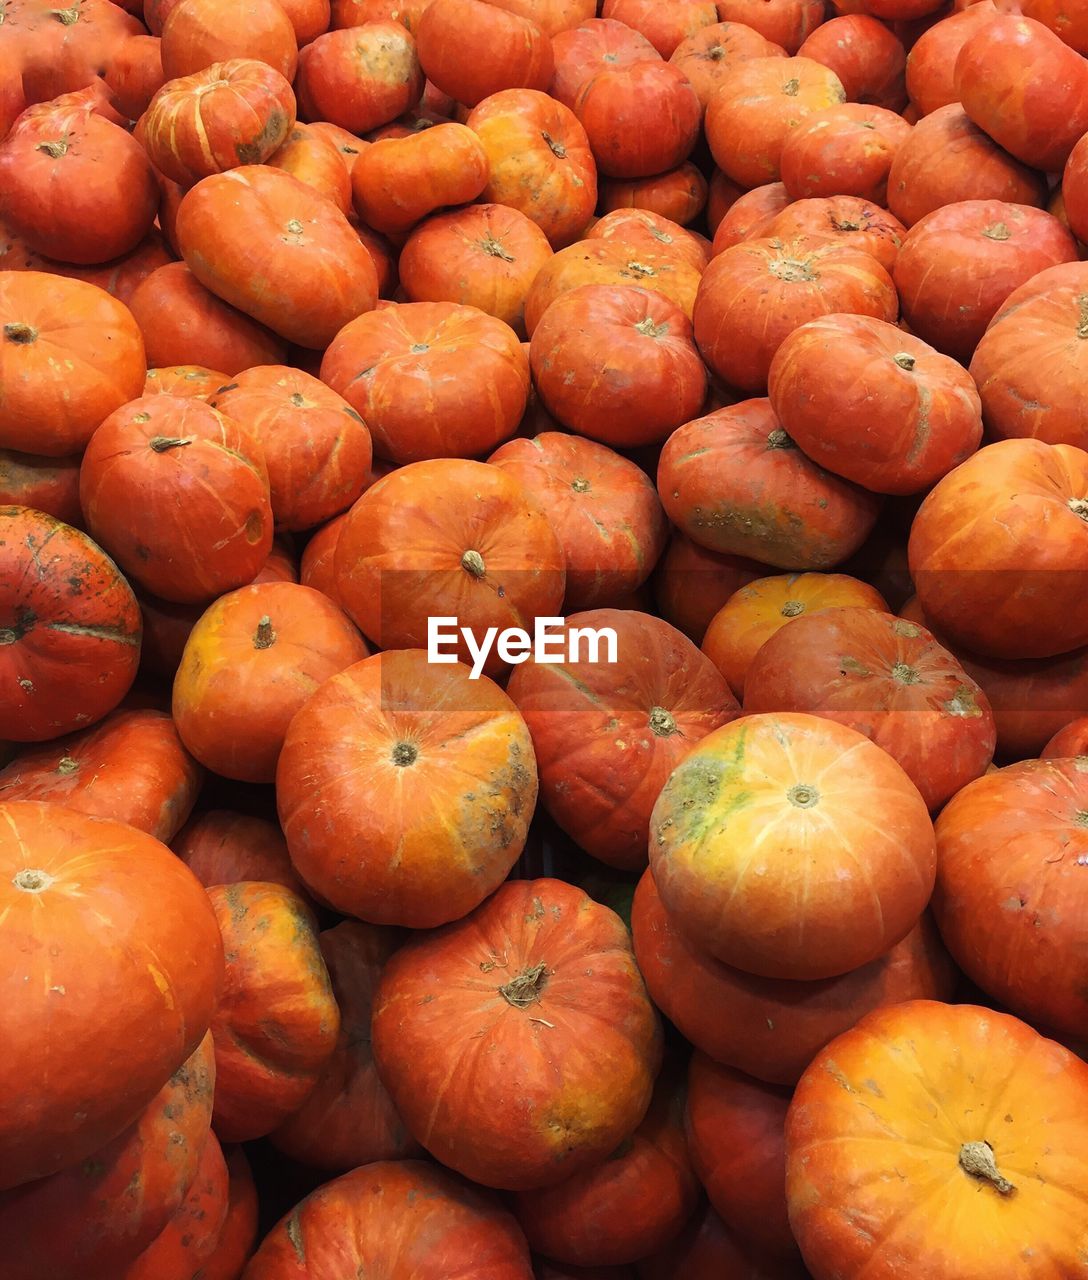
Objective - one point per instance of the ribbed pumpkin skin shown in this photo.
(198, 34)
(277, 1020)
(106, 995)
(221, 847)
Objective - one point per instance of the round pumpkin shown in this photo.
(727, 824)
(785, 22)
(314, 157)
(397, 1214)
(846, 220)
(50, 485)
(551, 16)
(974, 1106)
(106, 994)
(316, 447)
(277, 1021)
(679, 194)
(645, 231)
(221, 847)
(735, 482)
(692, 583)
(185, 380)
(1031, 700)
(846, 150)
(122, 276)
(707, 1250)
(198, 33)
(749, 216)
(1067, 742)
(1074, 191)
(758, 611)
(999, 550)
(252, 661)
(1010, 851)
(72, 628)
(931, 63)
(607, 734)
(318, 566)
(131, 766)
(868, 58)
(147, 453)
(69, 355)
(535, 997)
(665, 26)
(594, 45)
(430, 379)
(359, 77)
(770, 1028)
(471, 50)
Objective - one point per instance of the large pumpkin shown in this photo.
(148, 453)
(106, 994)
(430, 379)
(277, 1020)
(931, 63)
(709, 56)
(359, 77)
(274, 248)
(535, 998)
(252, 661)
(1011, 849)
(663, 25)
(440, 795)
(984, 1123)
(866, 55)
(887, 678)
(679, 194)
(845, 219)
(847, 150)
(488, 556)
(314, 157)
(999, 550)
(749, 215)
(69, 355)
(641, 229)
(786, 22)
(725, 832)
(198, 33)
(131, 767)
(770, 1028)
(471, 50)
(393, 1215)
(593, 46)
(71, 628)
(736, 483)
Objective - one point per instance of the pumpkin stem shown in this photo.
(23, 334)
(1079, 507)
(265, 636)
(649, 329)
(905, 674)
(68, 16)
(845, 224)
(67, 765)
(662, 722)
(558, 149)
(716, 53)
(977, 1159)
(1082, 327)
(779, 439)
(162, 443)
(493, 249)
(999, 231)
(791, 88)
(32, 881)
(404, 754)
(803, 796)
(53, 149)
(580, 485)
(792, 271)
(525, 989)
(640, 269)
(905, 362)
(792, 608)
(472, 562)
(297, 400)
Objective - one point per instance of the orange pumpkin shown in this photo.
(551, 16)
(646, 232)
(221, 847)
(318, 567)
(692, 583)
(707, 1250)
(197, 33)
(1070, 741)
(121, 277)
(536, 995)
(185, 380)
(785, 22)
(471, 50)
(593, 46)
(346, 143)
(749, 216)
(359, 78)
(846, 150)
(355, 13)
(410, 725)
(107, 994)
(238, 1238)
(44, 484)
(680, 194)
(665, 26)
(974, 1106)
(760, 609)
(1074, 191)
(868, 58)
(783, 780)
(931, 64)
(846, 220)
(315, 159)
(277, 1021)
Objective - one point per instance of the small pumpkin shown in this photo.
(222, 847)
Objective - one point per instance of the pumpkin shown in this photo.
(199, 33)
(887, 678)
(121, 277)
(897, 416)
(1015, 59)
(539, 161)
(786, 780)
(318, 567)
(69, 355)
(647, 232)
(1074, 191)
(595, 45)
(489, 556)
(131, 766)
(736, 1133)
(692, 583)
(931, 63)
(1010, 848)
(231, 113)
(399, 181)
(629, 1206)
(93, 1218)
(784, 22)
(946, 159)
(722, 195)
(471, 50)
(277, 1021)
(313, 157)
(346, 143)
(846, 220)
(679, 194)
(433, 853)
(617, 364)
(316, 447)
(707, 1250)
(551, 16)
(254, 658)
(634, 718)
(535, 997)
(1017, 514)
(846, 150)
(758, 611)
(770, 1028)
(46, 484)
(107, 994)
(602, 507)
(185, 324)
(430, 379)
(69, 47)
(484, 256)
(191, 1235)
(1070, 741)
(238, 1238)
(641, 119)
(282, 564)
(970, 1104)
(74, 185)
(220, 847)
(72, 628)
(748, 217)
(1032, 361)
(153, 449)
(359, 78)
(749, 117)
(665, 26)
(1071, 26)
(185, 380)
(735, 482)
(868, 58)
(396, 1214)
(355, 13)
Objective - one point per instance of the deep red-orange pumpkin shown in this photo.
(931, 63)
(846, 220)
(868, 58)
(785, 22)
(1070, 741)
(221, 847)
(679, 194)
(185, 380)
(846, 150)
(471, 50)
(692, 583)
(707, 1250)
(238, 1238)
(593, 46)
(749, 215)
(313, 157)
(645, 231)
(709, 56)
(665, 26)
(318, 566)
(359, 78)
(46, 484)
(198, 33)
